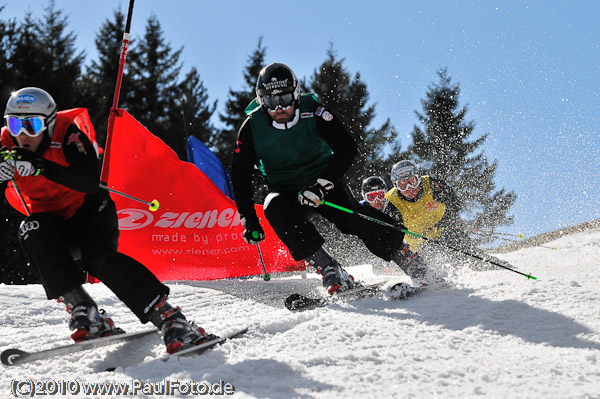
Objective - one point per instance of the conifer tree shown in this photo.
(45, 56)
(154, 76)
(190, 112)
(237, 103)
(60, 62)
(348, 98)
(7, 45)
(26, 56)
(97, 85)
(443, 148)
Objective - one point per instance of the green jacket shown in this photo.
(291, 158)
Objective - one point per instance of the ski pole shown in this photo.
(496, 236)
(8, 155)
(490, 233)
(20, 197)
(517, 241)
(262, 262)
(424, 238)
(152, 205)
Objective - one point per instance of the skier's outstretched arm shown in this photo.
(244, 159)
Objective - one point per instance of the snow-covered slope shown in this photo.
(495, 335)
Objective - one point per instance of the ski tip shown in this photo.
(298, 303)
(11, 357)
(293, 300)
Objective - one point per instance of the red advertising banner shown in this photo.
(196, 234)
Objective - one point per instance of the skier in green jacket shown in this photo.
(304, 151)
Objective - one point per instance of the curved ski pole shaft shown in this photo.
(520, 235)
(152, 205)
(425, 238)
(6, 155)
(21, 197)
(262, 262)
(472, 255)
(533, 245)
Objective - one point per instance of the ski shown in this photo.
(404, 290)
(199, 349)
(298, 302)
(13, 357)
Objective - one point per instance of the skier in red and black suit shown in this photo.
(303, 150)
(51, 163)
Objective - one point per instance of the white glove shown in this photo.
(27, 162)
(313, 195)
(7, 167)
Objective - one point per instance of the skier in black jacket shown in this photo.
(303, 150)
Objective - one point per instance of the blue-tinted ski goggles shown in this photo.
(283, 101)
(31, 125)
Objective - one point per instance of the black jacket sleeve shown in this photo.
(83, 172)
(331, 129)
(242, 168)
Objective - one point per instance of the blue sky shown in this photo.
(529, 72)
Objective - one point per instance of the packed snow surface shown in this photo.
(492, 334)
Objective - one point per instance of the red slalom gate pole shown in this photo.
(115, 104)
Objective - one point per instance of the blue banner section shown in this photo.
(209, 164)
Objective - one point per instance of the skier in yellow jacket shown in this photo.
(424, 204)
(428, 208)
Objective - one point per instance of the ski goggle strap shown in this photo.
(408, 183)
(372, 196)
(283, 101)
(31, 125)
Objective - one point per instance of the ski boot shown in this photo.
(87, 321)
(178, 333)
(335, 278)
(415, 267)
(90, 323)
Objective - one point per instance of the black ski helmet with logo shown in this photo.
(275, 80)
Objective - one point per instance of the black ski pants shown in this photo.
(49, 240)
(291, 222)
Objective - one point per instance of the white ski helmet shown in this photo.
(32, 101)
(404, 170)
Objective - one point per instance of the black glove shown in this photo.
(7, 165)
(28, 163)
(313, 195)
(253, 233)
